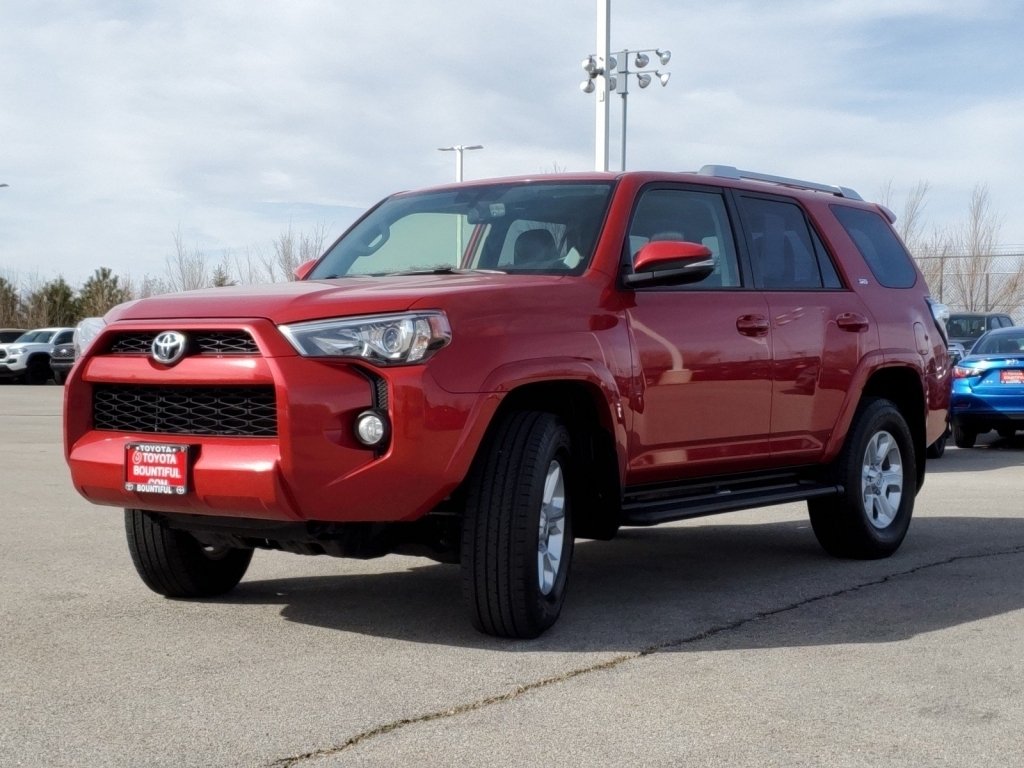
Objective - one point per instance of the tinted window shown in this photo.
(885, 255)
(689, 216)
(783, 253)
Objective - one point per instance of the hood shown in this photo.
(314, 299)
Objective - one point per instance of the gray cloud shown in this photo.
(121, 122)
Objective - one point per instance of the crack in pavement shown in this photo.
(514, 693)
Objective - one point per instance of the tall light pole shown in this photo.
(458, 149)
(602, 79)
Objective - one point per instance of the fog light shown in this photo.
(371, 428)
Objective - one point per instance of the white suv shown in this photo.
(28, 357)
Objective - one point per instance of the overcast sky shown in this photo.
(122, 122)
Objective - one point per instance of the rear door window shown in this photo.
(785, 253)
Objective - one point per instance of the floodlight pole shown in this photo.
(604, 8)
(603, 79)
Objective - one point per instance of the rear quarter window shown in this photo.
(885, 255)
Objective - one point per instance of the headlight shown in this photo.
(410, 337)
(86, 333)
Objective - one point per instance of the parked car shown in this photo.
(480, 373)
(988, 387)
(965, 328)
(10, 334)
(61, 360)
(27, 358)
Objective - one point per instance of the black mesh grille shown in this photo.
(224, 411)
(200, 343)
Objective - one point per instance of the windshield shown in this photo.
(539, 228)
(34, 336)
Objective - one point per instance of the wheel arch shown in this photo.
(902, 386)
(597, 473)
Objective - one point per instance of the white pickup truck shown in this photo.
(27, 358)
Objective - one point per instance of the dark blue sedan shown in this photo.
(988, 387)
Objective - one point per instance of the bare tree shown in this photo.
(291, 250)
(186, 269)
(974, 283)
(251, 267)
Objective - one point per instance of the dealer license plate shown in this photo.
(1012, 376)
(156, 468)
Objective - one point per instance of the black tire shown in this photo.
(502, 556)
(870, 518)
(964, 438)
(38, 371)
(937, 449)
(173, 563)
(59, 377)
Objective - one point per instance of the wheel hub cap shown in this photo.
(882, 480)
(551, 531)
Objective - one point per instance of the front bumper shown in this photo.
(314, 468)
(8, 371)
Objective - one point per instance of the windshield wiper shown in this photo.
(440, 271)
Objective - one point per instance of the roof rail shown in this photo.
(730, 172)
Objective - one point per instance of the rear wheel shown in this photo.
(878, 473)
(964, 438)
(937, 449)
(174, 564)
(517, 537)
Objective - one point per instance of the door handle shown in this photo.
(752, 325)
(852, 322)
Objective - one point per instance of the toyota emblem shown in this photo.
(169, 347)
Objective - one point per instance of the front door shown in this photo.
(704, 387)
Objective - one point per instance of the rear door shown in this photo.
(820, 330)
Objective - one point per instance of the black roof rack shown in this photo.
(730, 172)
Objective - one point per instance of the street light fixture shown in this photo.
(458, 149)
(617, 75)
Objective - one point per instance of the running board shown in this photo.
(652, 505)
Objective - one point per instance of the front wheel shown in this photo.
(173, 563)
(38, 371)
(878, 473)
(517, 537)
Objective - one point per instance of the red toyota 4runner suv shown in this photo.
(481, 373)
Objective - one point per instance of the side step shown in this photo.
(652, 505)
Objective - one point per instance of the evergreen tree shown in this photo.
(101, 291)
(53, 304)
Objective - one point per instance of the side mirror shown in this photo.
(670, 262)
(304, 269)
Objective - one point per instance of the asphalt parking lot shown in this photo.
(726, 641)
